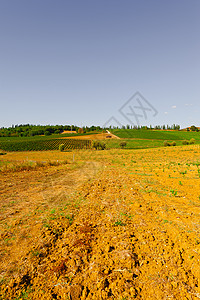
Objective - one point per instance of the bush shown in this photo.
(102, 146)
(3, 153)
(95, 145)
(61, 147)
(166, 143)
(185, 142)
(80, 130)
(47, 132)
(122, 145)
(192, 141)
(98, 145)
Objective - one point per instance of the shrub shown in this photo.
(3, 153)
(102, 146)
(80, 130)
(95, 145)
(192, 141)
(122, 145)
(193, 128)
(166, 143)
(61, 147)
(185, 142)
(47, 132)
(57, 132)
(98, 145)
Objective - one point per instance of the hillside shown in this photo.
(155, 134)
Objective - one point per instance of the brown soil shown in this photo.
(98, 136)
(69, 131)
(129, 231)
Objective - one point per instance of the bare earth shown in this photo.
(98, 136)
(109, 225)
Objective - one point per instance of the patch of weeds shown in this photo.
(34, 253)
(119, 223)
(52, 215)
(173, 192)
(165, 221)
(180, 183)
(24, 295)
(7, 241)
(70, 218)
(2, 281)
(123, 214)
(66, 206)
(130, 216)
(46, 225)
(183, 172)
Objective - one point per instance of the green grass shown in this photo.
(135, 139)
(156, 134)
(136, 143)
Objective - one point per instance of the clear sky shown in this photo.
(78, 62)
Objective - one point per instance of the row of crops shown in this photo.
(42, 145)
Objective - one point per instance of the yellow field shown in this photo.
(100, 224)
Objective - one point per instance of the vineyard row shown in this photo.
(42, 145)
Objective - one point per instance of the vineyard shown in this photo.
(42, 145)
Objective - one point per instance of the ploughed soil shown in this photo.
(123, 225)
(97, 136)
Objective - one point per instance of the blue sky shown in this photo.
(78, 62)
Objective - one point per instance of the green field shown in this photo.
(135, 139)
(156, 134)
(137, 143)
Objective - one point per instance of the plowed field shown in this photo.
(105, 225)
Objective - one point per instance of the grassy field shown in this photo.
(156, 134)
(113, 224)
(135, 139)
(137, 143)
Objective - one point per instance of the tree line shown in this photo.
(156, 127)
(27, 130)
